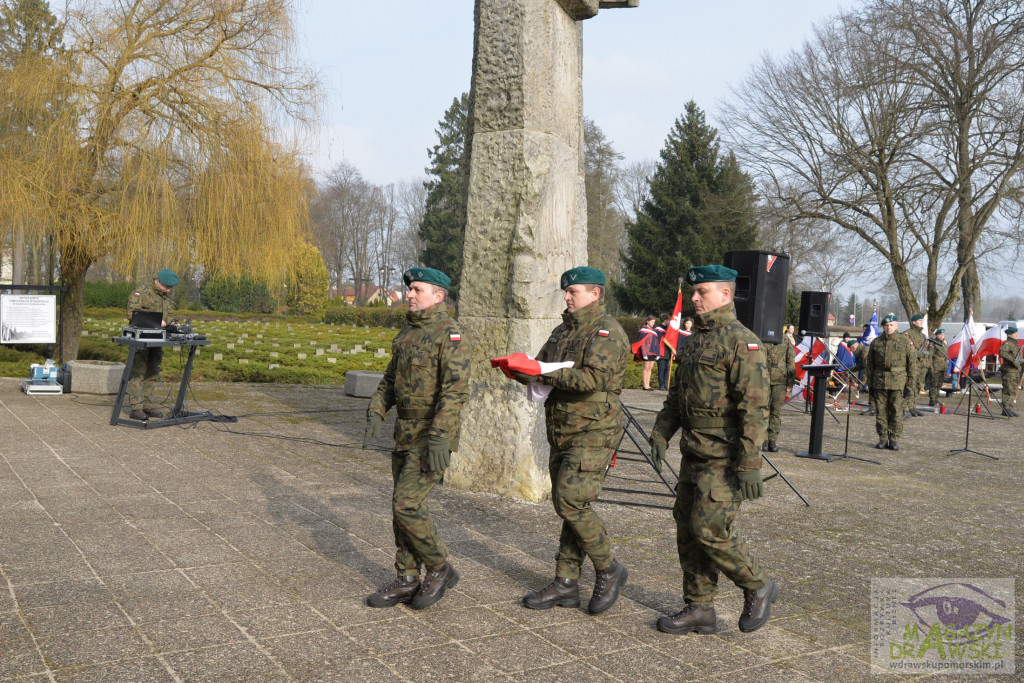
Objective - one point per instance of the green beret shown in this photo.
(699, 274)
(1012, 329)
(429, 275)
(891, 318)
(583, 275)
(167, 277)
(916, 317)
(941, 330)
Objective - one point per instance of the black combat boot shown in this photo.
(757, 606)
(882, 443)
(894, 445)
(138, 414)
(772, 448)
(400, 590)
(152, 412)
(606, 587)
(692, 618)
(560, 593)
(435, 583)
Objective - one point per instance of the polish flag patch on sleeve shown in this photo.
(455, 336)
(752, 347)
(602, 333)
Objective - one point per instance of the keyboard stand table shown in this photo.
(177, 416)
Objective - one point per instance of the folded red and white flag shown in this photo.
(520, 362)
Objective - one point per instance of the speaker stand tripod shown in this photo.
(967, 436)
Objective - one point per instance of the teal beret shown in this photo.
(941, 330)
(699, 274)
(167, 277)
(916, 316)
(583, 275)
(891, 318)
(1012, 329)
(429, 275)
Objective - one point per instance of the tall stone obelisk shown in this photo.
(526, 224)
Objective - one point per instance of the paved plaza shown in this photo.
(202, 554)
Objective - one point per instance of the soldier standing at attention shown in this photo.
(146, 364)
(782, 375)
(1010, 356)
(584, 426)
(719, 398)
(428, 380)
(938, 361)
(916, 380)
(860, 355)
(891, 362)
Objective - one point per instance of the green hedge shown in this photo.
(370, 316)
(103, 294)
(237, 295)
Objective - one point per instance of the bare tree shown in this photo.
(634, 187)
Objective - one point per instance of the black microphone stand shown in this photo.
(971, 384)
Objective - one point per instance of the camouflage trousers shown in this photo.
(935, 383)
(1011, 385)
(416, 537)
(576, 480)
(775, 404)
(705, 509)
(143, 376)
(914, 382)
(889, 418)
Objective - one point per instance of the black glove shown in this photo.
(658, 448)
(438, 455)
(750, 484)
(906, 392)
(522, 378)
(373, 425)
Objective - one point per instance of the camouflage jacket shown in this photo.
(427, 379)
(719, 395)
(781, 364)
(938, 356)
(890, 362)
(917, 338)
(150, 299)
(1009, 354)
(860, 358)
(583, 410)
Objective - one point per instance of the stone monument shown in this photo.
(526, 224)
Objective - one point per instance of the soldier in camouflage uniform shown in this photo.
(915, 382)
(782, 376)
(938, 361)
(428, 380)
(860, 355)
(584, 426)
(1010, 357)
(719, 398)
(146, 364)
(891, 362)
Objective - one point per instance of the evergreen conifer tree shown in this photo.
(701, 205)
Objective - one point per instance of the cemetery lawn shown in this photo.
(269, 349)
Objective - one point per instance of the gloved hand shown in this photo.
(438, 455)
(750, 484)
(658, 448)
(373, 425)
(906, 392)
(522, 378)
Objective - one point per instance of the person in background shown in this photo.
(146, 365)
(646, 346)
(665, 353)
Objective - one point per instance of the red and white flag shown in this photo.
(671, 338)
(810, 351)
(988, 345)
(960, 349)
(520, 362)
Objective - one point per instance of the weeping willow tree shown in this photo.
(164, 145)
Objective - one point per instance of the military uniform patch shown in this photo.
(602, 333)
(455, 336)
(752, 347)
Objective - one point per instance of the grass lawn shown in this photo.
(269, 349)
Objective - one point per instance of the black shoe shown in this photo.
(932, 403)
(606, 587)
(138, 414)
(152, 412)
(882, 444)
(400, 590)
(771, 447)
(757, 606)
(868, 412)
(434, 584)
(894, 445)
(915, 412)
(560, 593)
(692, 618)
